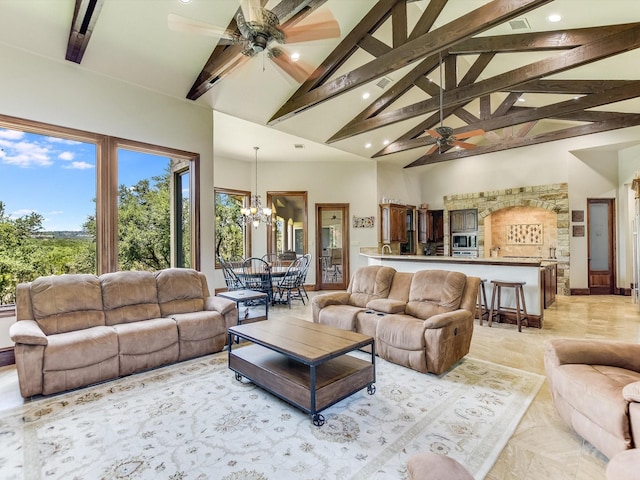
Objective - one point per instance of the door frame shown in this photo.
(344, 207)
(611, 288)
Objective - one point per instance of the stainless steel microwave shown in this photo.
(464, 240)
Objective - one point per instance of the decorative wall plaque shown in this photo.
(578, 230)
(525, 234)
(577, 215)
(363, 222)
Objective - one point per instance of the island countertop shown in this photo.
(513, 261)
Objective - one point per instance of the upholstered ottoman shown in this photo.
(431, 466)
(624, 466)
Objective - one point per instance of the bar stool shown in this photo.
(520, 310)
(481, 307)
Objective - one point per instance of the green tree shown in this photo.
(229, 230)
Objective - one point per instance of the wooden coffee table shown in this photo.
(303, 363)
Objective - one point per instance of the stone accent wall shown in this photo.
(553, 197)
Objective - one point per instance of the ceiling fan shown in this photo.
(258, 30)
(444, 136)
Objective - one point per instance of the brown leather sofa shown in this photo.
(596, 389)
(421, 320)
(79, 329)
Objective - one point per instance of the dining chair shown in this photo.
(256, 275)
(288, 287)
(230, 278)
(303, 274)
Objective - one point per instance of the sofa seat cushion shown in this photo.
(401, 331)
(129, 296)
(199, 325)
(595, 391)
(180, 290)
(65, 303)
(435, 291)
(340, 316)
(146, 336)
(82, 348)
(387, 305)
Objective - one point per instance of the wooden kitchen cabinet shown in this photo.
(430, 225)
(549, 281)
(393, 223)
(463, 220)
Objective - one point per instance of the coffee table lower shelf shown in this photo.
(297, 383)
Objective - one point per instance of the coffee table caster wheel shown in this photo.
(371, 389)
(318, 420)
(238, 376)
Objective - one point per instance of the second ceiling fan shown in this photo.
(258, 30)
(445, 138)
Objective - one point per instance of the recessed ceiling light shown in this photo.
(365, 95)
(184, 1)
(295, 56)
(554, 17)
(521, 99)
(367, 145)
(385, 142)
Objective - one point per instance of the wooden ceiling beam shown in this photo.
(85, 16)
(623, 41)
(399, 24)
(477, 21)
(571, 87)
(428, 18)
(524, 115)
(622, 121)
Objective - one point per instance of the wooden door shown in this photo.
(332, 246)
(601, 245)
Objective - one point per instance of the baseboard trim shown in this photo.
(7, 357)
(580, 291)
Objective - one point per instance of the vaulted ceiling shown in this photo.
(498, 70)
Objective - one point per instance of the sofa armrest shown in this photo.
(443, 319)
(27, 332)
(219, 304)
(387, 305)
(333, 298)
(631, 392)
(593, 352)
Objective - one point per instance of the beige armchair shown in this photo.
(596, 389)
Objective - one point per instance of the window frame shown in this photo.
(247, 231)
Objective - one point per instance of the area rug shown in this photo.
(193, 420)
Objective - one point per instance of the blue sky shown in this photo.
(57, 177)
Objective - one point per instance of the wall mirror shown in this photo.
(289, 222)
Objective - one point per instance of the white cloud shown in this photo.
(55, 212)
(66, 155)
(11, 134)
(22, 212)
(79, 166)
(25, 154)
(62, 140)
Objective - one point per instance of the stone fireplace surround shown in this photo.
(553, 197)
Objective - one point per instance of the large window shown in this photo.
(233, 239)
(76, 202)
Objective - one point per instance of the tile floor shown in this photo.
(542, 447)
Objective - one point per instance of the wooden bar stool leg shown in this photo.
(524, 306)
(493, 302)
(518, 317)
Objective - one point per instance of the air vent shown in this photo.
(383, 82)
(519, 24)
(298, 145)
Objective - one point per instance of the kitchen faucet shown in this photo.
(387, 247)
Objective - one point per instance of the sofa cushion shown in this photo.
(402, 331)
(340, 316)
(199, 325)
(435, 291)
(65, 303)
(129, 296)
(82, 348)
(180, 290)
(369, 283)
(386, 305)
(146, 336)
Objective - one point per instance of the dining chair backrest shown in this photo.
(291, 278)
(272, 259)
(230, 277)
(256, 275)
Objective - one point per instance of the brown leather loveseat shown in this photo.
(421, 320)
(78, 329)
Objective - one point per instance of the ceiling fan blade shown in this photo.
(183, 24)
(297, 70)
(472, 133)
(323, 26)
(432, 149)
(433, 133)
(464, 145)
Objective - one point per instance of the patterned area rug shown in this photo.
(193, 420)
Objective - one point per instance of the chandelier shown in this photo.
(256, 214)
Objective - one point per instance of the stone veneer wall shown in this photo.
(554, 197)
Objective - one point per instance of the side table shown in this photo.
(242, 297)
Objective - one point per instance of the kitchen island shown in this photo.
(533, 271)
